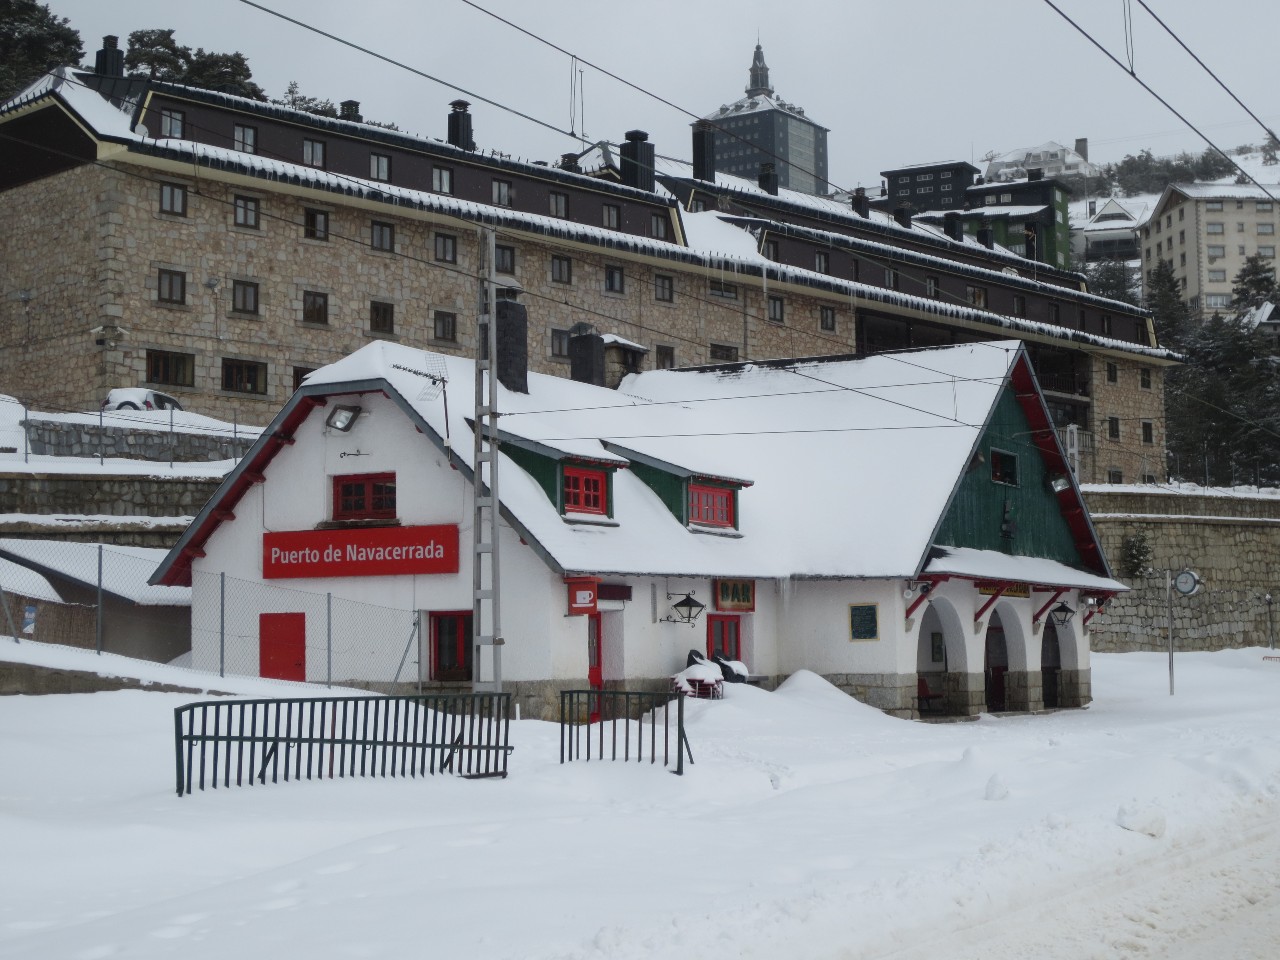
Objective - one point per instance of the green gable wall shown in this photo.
(977, 512)
(670, 489)
(544, 470)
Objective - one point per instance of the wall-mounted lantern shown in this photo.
(1061, 614)
(685, 610)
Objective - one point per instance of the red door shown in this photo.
(282, 646)
(723, 636)
(595, 660)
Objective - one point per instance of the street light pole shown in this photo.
(1271, 637)
(1168, 599)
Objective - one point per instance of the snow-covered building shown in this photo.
(902, 524)
(1051, 158)
(1107, 228)
(763, 129)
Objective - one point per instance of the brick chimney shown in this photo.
(569, 161)
(636, 161)
(109, 61)
(704, 151)
(586, 355)
(768, 178)
(861, 205)
(1035, 174)
(903, 216)
(513, 340)
(350, 110)
(987, 237)
(460, 126)
(1082, 147)
(953, 225)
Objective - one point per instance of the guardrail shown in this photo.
(620, 725)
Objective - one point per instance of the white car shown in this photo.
(138, 398)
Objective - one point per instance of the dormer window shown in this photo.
(712, 506)
(369, 496)
(585, 490)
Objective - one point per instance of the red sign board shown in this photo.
(582, 594)
(364, 552)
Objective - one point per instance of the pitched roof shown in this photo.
(851, 462)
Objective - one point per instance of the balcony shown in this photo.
(1078, 445)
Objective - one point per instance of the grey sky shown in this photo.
(896, 81)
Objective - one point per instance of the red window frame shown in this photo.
(585, 490)
(711, 506)
(730, 629)
(451, 645)
(364, 496)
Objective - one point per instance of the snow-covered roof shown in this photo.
(759, 103)
(1003, 210)
(612, 339)
(990, 565)
(17, 579)
(1227, 191)
(125, 570)
(852, 428)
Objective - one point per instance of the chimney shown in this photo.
(110, 59)
(979, 180)
(569, 161)
(1035, 174)
(768, 178)
(637, 161)
(513, 340)
(1093, 208)
(884, 189)
(586, 355)
(861, 205)
(903, 216)
(704, 151)
(953, 225)
(350, 110)
(1082, 147)
(460, 126)
(987, 237)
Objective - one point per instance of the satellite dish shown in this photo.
(142, 131)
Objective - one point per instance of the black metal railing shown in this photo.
(243, 742)
(622, 725)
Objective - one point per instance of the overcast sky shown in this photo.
(895, 81)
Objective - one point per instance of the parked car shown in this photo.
(138, 398)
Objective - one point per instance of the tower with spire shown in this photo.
(763, 128)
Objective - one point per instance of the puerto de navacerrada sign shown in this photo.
(366, 552)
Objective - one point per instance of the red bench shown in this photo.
(926, 700)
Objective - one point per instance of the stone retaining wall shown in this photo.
(119, 495)
(60, 439)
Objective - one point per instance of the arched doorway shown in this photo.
(1050, 665)
(997, 665)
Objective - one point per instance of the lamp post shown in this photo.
(1271, 637)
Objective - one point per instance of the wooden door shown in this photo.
(282, 646)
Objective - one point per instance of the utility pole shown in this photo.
(485, 610)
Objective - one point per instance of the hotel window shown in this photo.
(1148, 432)
(382, 236)
(561, 269)
(382, 317)
(171, 286)
(244, 376)
(451, 646)
(723, 353)
(612, 216)
(446, 248)
(727, 291)
(664, 357)
(559, 343)
(1213, 228)
(244, 296)
(1113, 373)
(315, 224)
(313, 153)
(1267, 229)
(777, 310)
(1216, 251)
(977, 296)
(379, 166)
(614, 279)
(711, 506)
(1217, 301)
(315, 307)
(369, 496)
(1113, 428)
(173, 199)
(664, 287)
(171, 123)
(945, 186)
(585, 490)
(658, 226)
(1144, 378)
(822, 262)
(502, 193)
(1267, 252)
(1264, 206)
(1106, 324)
(891, 278)
(771, 250)
(1019, 305)
(504, 259)
(827, 318)
(559, 204)
(300, 376)
(441, 180)
(247, 209)
(1115, 476)
(1213, 205)
(444, 326)
(1055, 313)
(171, 369)
(246, 138)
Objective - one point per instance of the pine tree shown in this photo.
(1112, 279)
(1169, 312)
(1270, 147)
(1255, 284)
(157, 55)
(32, 40)
(296, 99)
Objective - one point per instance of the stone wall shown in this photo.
(59, 439)
(1231, 541)
(1135, 458)
(119, 495)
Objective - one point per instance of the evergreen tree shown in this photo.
(157, 55)
(1169, 312)
(297, 100)
(1255, 284)
(1269, 149)
(32, 40)
(1112, 279)
(227, 72)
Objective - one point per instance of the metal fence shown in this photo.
(623, 725)
(245, 742)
